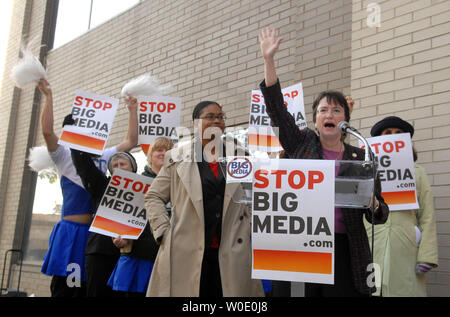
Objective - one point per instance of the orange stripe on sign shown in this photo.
(263, 140)
(116, 227)
(82, 140)
(292, 261)
(145, 148)
(395, 198)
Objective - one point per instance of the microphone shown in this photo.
(344, 127)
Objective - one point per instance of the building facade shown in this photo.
(391, 56)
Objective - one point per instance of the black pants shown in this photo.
(210, 282)
(59, 288)
(343, 281)
(281, 289)
(98, 270)
(129, 294)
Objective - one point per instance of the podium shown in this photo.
(354, 184)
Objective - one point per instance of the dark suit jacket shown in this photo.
(305, 144)
(213, 195)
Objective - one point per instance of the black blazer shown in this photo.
(213, 195)
(305, 144)
(95, 183)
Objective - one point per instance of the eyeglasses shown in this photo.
(334, 111)
(211, 117)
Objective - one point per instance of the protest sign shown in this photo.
(261, 137)
(159, 116)
(394, 155)
(122, 211)
(239, 169)
(94, 115)
(293, 221)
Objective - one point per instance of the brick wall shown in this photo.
(209, 50)
(27, 22)
(322, 59)
(403, 68)
(6, 129)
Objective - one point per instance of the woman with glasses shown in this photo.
(352, 251)
(205, 245)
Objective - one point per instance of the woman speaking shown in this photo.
(352, 251)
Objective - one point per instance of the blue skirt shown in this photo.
(67, 245)
(131, 275)
(267, 285)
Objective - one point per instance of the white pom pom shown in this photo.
(39, 159)
(28, 70)
(144, 85)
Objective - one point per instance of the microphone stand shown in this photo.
(367, 154)
(368, 157)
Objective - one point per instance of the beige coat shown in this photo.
(178, 265)
(396, 250)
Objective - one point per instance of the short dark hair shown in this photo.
(332, 97)
(199, 108)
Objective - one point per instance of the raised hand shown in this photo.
(44, 87)
(269, 42)
(131, 102)
(350, 103)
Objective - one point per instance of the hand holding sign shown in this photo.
(94, 116)
(119, 242)
(158, 117)
(45, 87)
(394, 155)
(121, 213)
(131, 102)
